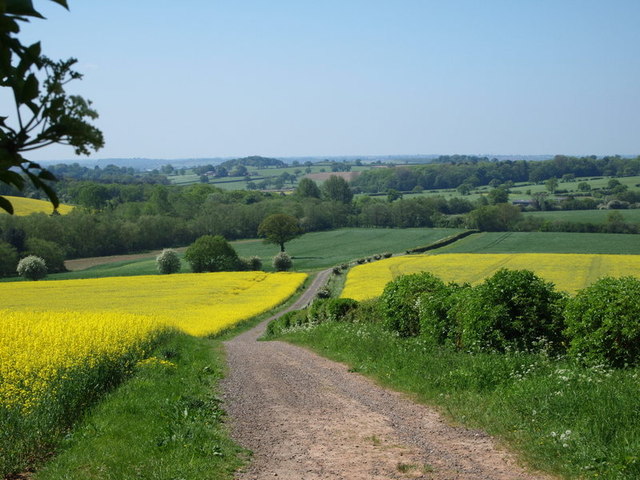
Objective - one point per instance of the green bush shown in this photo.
(323, 292)
(8, 259)
(339, 309)
(511, 310)
(282, 262)
(286, 321)
(368, 311)
(50, 252)
(212, 254)
(399, 301)
(168, 261)
(434, 310)
(32, 268)
(254, 263)
(603, 322)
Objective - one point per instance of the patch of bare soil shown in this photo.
(307, 418)
(84, 263)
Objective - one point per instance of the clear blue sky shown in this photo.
(209, 78)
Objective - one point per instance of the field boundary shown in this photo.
(443, 242)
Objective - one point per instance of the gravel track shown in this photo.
(307, 418)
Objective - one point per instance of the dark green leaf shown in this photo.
(6, 205)
(30, 89)
(53, 197)
(22, 7)
(62, 2)
(47, 175)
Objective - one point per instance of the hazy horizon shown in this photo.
(297, 79)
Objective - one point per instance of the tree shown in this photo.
(464, 189)
(168, 261)
(50, 252)
(212, 254)
(308, 188)
(337, 189)
(279, 229)
(498, 195)
(8, 259)
(44, 113)
(584, 187)
(32, 268)
(551, 184)
(393, 194)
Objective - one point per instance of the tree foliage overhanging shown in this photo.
(44, 113)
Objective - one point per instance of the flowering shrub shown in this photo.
(168, 261)
(32, 268)
(282, 262)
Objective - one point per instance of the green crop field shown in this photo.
(546, 242)
(586, 216)
(323, 249)
(311, 251)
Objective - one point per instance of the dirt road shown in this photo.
(308, 418)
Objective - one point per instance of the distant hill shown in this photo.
(254, 161)
(259, 161)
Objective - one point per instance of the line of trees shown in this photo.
(485, 172)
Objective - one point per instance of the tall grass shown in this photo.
(563, 417)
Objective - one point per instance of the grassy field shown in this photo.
(312, 251)
(318, 250)
(546, 242)
(524, 190)
(257, 174)
(586, 216)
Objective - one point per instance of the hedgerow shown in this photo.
(603, 322)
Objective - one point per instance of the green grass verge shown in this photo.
(545, 242)
(561, 417)
(165, 422)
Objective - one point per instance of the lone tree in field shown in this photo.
(279, 229)
(212, 254)
(44, 113)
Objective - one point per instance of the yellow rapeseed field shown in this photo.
(55, 335)
(26, 206)
(569, 272)
(197, 303)
(39, 351)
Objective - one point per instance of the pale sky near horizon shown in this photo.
(209, 78)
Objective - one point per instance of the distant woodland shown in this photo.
(121, 210)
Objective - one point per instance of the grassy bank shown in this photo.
(165, 422)
(563, 418)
